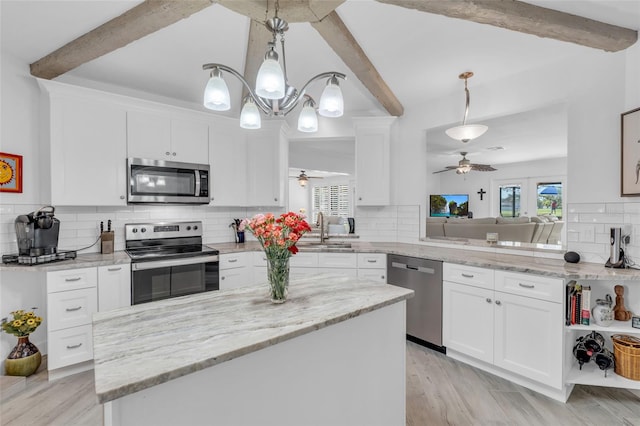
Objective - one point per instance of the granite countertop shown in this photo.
(145, 345)
(84, 260)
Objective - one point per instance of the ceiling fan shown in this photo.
(303, 179)
(465, 166)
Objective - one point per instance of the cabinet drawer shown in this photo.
(378, 275)
(71, 279)
(259, 258)
(471, 275)
(337, 260)
(304, 260)
(372, 260)
(71, 308)
(70, 346)
(234, 260)
(544, 288)
(235, 278)
(343, 272)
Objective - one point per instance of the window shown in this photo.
(332, 200)
(549, 199)
(510, 201)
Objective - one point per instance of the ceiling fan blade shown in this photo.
(448, 169)
(482, 168)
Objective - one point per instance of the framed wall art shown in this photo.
(10, 172)
(630, 153)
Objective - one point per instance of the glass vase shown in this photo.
(278, 274)
(24, 359)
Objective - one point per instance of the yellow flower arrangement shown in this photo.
(22, 324)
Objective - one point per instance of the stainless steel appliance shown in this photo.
(169, 260)
(37, 238)
(616, 257)
(424, 310)
(163, 182)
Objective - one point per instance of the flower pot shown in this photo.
(278, 274)
(24, 359)
(240, 236)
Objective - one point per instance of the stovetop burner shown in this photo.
(169, 252)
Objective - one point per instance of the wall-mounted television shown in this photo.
(448, 205)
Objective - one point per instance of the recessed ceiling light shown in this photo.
(495, 148)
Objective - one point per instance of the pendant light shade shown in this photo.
(250, 116)
(216, 93)
(270, 79)
(308, 120)
(331, 102)
(466, 132)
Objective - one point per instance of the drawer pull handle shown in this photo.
(372, 261)
(526, 285)
(488, 300)
(74, 346)
(467, 275)
(70, 280)
(233, 260)
(498, 302)
(74, 309)
(114, 269)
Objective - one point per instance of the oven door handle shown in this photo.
(141, 266)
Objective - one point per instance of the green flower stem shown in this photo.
(278, 274)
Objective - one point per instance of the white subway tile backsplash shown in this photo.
(587, 208)
(632, 208)
(587, 234)
(614, 208)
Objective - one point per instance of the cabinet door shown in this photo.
(528, 338)
(373, 146)
(266, 169)
(228, 161)
(71, 308)
(467, 320)
(189, 140)
(70, 346)
(88, 153)
(149, 136)
(236, 278)
(378, 275)
(114, 287)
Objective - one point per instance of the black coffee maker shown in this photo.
(37, 232)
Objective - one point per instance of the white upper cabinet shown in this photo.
(165, 135)
(267, 162)
(373, 146)
(228, 161)
(84, 149)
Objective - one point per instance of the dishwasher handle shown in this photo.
(413, 268)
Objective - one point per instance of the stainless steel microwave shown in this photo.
(167, 182)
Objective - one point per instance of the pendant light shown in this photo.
(308, 120)
(466, 132)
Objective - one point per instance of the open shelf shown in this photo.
(615, 327)
(592, 375)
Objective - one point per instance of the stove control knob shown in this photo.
(143, 230)
(134, 230)
(195, 227)
(188, 228)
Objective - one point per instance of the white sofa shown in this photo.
(543, 230)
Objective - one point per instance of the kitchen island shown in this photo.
(334, 353)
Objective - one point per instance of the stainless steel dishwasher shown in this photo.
(424, 309)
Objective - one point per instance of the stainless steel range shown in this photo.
(169, 260)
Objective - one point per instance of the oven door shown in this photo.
(162, 279)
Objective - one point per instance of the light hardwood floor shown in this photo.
(440, 391)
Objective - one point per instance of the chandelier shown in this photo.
(466, 132)
(273, 95)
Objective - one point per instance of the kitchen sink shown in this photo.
(323, 246)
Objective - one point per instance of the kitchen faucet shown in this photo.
(321, 221)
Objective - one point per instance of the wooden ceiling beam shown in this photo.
(530, 19)
(338, 36)
(144, 19)
(291, 10)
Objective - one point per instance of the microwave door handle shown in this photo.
(197, 194)
(141, 266)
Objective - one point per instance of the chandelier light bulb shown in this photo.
(270, 78)
(216, 93)
(331, 101)
(308, 120)
(250, 116)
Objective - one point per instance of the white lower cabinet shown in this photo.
(114, 287)
(236, 270)
(372, 266)
(515, 332)
(70, 346)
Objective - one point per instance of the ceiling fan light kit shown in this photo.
(466, 132)
(273, 95)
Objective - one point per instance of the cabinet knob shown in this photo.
(275, 199)
(382, 277)
(359, 198)
(212, 198)
(122, 197)
(498, 302)
(222, 278)
(174, 154)
(167, 153)
(488, 300)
